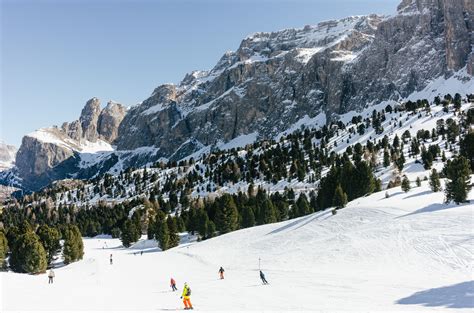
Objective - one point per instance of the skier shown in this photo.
(50, 276)
(186, 297)
(173, 284)
(111, 260)
(141, 252)
(221, 273)
(262, 277)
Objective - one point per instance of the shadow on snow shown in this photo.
(455, 296)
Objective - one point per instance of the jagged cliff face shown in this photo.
(7, 155)
(274, 79)
(42, 153)
(271, 82)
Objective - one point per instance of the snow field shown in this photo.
(408, 252)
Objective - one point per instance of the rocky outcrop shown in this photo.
(7, 155)
(109, 120)
(275, 79)
(53, 153)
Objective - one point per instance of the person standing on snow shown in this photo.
(186, 297)
(221, 273)
(173, 284)
(50, 276)
(262, 277)
(111, 260)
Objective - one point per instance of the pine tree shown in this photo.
(49, 237)
(73, 249)
(386, 158)
(227, 214)
(269, 212)
(340, 197)
(130, 233)
(467, 148)
(28, 254)
(302, 206)
(211, 229)
(458, 182)
(405, 184)
(248, 217)
(434, 181)
(173, 231)
(163, 235)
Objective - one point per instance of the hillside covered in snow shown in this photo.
(408, 252)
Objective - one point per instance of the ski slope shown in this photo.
(408, 252)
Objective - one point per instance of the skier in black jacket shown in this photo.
(262, 277)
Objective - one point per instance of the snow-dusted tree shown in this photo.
(405, 184)
(340, 197)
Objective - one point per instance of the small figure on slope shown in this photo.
(50, 276)
(111, 260)
(173, 284)
(186, 297)
(262, 277)
(221, 272)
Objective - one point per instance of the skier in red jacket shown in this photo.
(173, 284)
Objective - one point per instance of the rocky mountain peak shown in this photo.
(89, 117)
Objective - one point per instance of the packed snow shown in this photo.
(408, 252)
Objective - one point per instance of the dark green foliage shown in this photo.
(116, 232)
(130, 233)
(435, 184)
(458, 182)
(173, 232)
(28, 255)
(73, 249)
(467, 148)
(340, 197)
(163, 235)
(226, 214)
(405, 184)
(248, 217)
(49, 237)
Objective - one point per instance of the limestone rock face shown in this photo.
(275, 79)
(7, 155)
(44, 154)
(109, 120)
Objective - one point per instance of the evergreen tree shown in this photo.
(458, 182)
(163, 235)
(418, 182)
(248, 217)
(129, 233)
(227, 215)
(434, 181)
(211, 229)
(269, 212)
(73, 249)
(49, 237)
(386, 158)
(302, 206)
(28, 254)
(467, 148)
(173, 231)
(340, 197)
(405, 184)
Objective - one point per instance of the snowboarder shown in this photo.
(111, 260)
(50, 276)
(186, 297)
(173, 284)
(221, 273)
(262, 277)
(141, 252)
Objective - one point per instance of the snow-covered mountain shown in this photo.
(273, 83)
(7, 155)
(409, 252)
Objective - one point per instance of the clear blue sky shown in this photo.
(55, 55)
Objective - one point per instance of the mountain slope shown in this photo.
(407, 252)
(273, 83)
